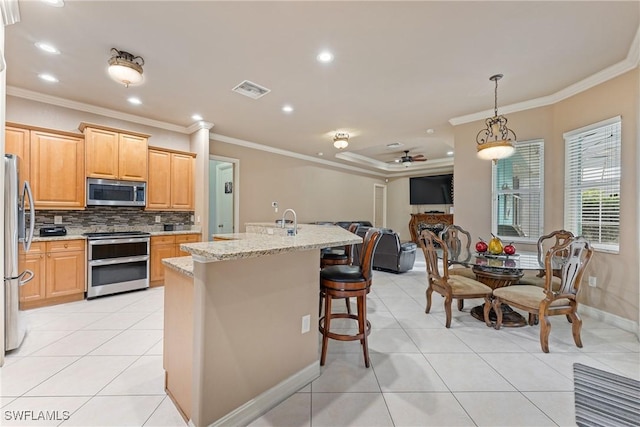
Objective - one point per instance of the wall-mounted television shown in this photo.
(431, 190)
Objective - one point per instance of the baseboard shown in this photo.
(266, 401)
(617, 321)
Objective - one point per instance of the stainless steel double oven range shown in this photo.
(117, 262)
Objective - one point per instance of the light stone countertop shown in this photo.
(183, 264)
(77, 235)
(249, 245)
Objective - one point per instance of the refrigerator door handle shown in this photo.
(24, 281)
(32, 217)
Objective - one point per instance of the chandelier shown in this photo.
(125, 68)
(496, 141)
(341, 140)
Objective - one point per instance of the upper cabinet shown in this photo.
(57, 170)
(115, 154)
(52, 162)
(170, 185)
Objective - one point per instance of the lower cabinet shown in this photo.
(59, 273)
(166, 247)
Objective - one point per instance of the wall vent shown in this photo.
(251, 89)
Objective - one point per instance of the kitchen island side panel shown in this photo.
(247, 328)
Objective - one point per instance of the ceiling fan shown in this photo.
(406, 160)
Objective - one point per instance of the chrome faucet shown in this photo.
(295, 221)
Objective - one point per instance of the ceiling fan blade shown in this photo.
(419, 160)
(417, 156)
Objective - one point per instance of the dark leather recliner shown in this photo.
(390, 255)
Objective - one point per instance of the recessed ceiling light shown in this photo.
(55, 3)
(197, 117)
(47, 48)
(449, 153)
(287, 108)
(320, 153)
(394, 145)
(134, 100)
(430, 131)
(325, 56)
(48, 78)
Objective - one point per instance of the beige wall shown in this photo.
(20, 110)
(316, 192)
(617, 274)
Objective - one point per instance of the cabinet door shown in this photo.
(57, 171)
(34, 260)
(132, 157)
(17, 142)
(185, 238)
(182, 182)
(102, 153)
(159, 184)
(65, 268)
(161, 247)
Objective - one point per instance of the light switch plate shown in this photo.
(158, 219)
(306, 323)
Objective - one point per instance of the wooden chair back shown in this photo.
(456, 239)
(549, 241)
(431, 244)
(573, 255)
(369, 245)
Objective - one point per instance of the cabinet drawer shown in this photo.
(65, 245)
(187, 238)
(36, 248)
(162, 240)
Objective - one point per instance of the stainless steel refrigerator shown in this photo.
(18, 228)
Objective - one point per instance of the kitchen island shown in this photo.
(241, 322)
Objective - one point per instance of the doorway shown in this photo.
(379, 205)
(223, 197)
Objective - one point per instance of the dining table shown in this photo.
(496, 271)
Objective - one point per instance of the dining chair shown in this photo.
(449, 286)
(458, 241)
(345, 281)
(570, 258)
(544, 243)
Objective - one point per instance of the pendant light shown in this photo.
(496, 140)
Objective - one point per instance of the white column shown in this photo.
(199, 144)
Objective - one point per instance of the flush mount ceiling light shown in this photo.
(341, 140)
(496, 141)
(125, 68)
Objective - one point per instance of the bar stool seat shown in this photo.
(346, 281)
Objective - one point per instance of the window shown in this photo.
(592, 183)
(517, 193)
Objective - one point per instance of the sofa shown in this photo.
(391, 254)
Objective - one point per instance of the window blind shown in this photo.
(592, 183)
(518, 187)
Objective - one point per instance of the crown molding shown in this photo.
(199, 125)
(10, 11)
(88, 108)
(399, 169)
(627, 64)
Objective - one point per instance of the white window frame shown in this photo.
(570, 223)
(496, 192)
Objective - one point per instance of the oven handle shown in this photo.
(116, 241)
(99, 262)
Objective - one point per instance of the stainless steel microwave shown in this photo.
(108, 192)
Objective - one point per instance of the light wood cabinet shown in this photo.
(170, 186)
(57, 170)
(167, 246)
(16, 142)
(59, 273)
(115, 154)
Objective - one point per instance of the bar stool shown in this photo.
(345, 281)
(337, 256)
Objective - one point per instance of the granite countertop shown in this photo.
(183, 264)
(249, 245)
(75, 234)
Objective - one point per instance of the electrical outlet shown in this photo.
(274, 205)
(158, 219)
(306, 323)
(57, 219)
(592, 281)
(193, 218)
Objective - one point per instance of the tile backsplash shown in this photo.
(108, 218)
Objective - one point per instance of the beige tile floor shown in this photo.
(99, 363)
